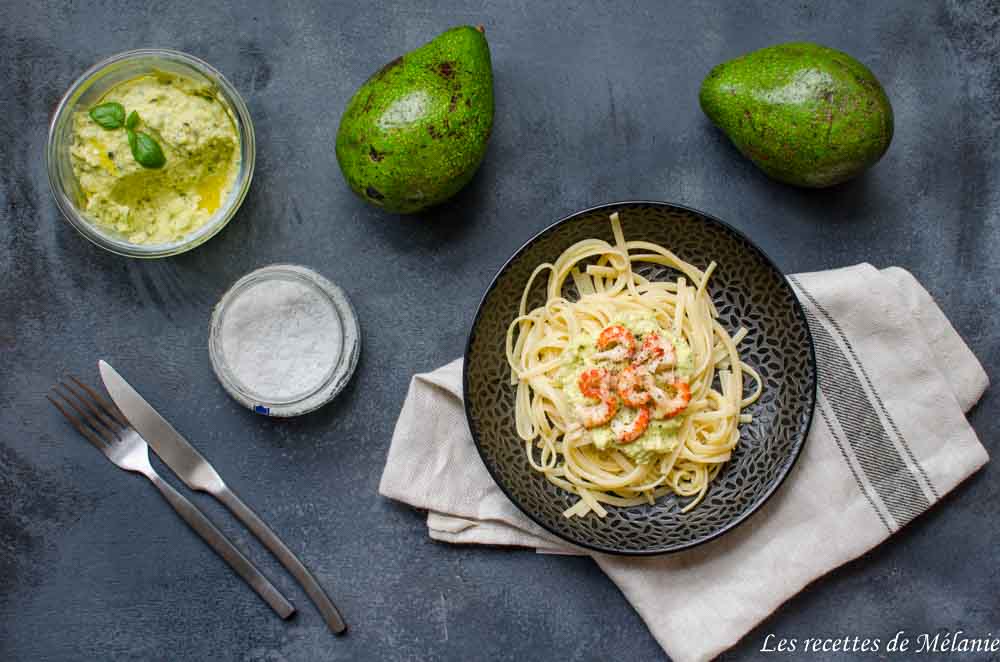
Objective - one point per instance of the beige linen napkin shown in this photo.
(888, 439)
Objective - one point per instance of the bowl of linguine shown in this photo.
(639, 378)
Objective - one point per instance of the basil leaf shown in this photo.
(132, 121)
(146, 150)
(110, 115)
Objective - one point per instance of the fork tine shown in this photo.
(109, 407)
(87, 433)
(102, 429)
(102, 417)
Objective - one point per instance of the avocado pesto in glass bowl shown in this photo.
(150, 153)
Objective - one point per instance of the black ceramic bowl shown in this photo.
(748, 290)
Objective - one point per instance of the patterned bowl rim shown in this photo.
(784, 471)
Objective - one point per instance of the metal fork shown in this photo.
(104, 426)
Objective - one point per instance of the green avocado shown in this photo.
(805, 114)
(414, 134)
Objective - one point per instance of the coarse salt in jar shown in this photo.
(284, 340)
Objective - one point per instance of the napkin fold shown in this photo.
(889, 438)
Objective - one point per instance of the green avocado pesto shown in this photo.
(161, 203)
(661, 436)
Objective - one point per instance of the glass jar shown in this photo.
(87, 91)
(342, 333)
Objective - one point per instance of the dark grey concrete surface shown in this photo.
(594, 103)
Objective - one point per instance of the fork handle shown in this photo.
(285, 555)
(218, 541)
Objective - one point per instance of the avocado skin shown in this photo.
(805, 114)
(415, 132)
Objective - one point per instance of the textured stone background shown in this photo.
(594, 104)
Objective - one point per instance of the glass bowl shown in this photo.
(94, 84)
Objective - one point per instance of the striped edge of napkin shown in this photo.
(889, 438)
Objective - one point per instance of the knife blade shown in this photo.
(175, 451)
(198, 474)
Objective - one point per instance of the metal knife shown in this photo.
(198, 474)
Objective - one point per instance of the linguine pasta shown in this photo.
(633, 390)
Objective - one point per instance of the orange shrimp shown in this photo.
(656, 352)
(596, 385)
(616, 343)
(668, 407)
(592, 382)
(626, 434)
(632, 385)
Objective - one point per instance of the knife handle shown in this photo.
(285, 555)
(217, 541)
